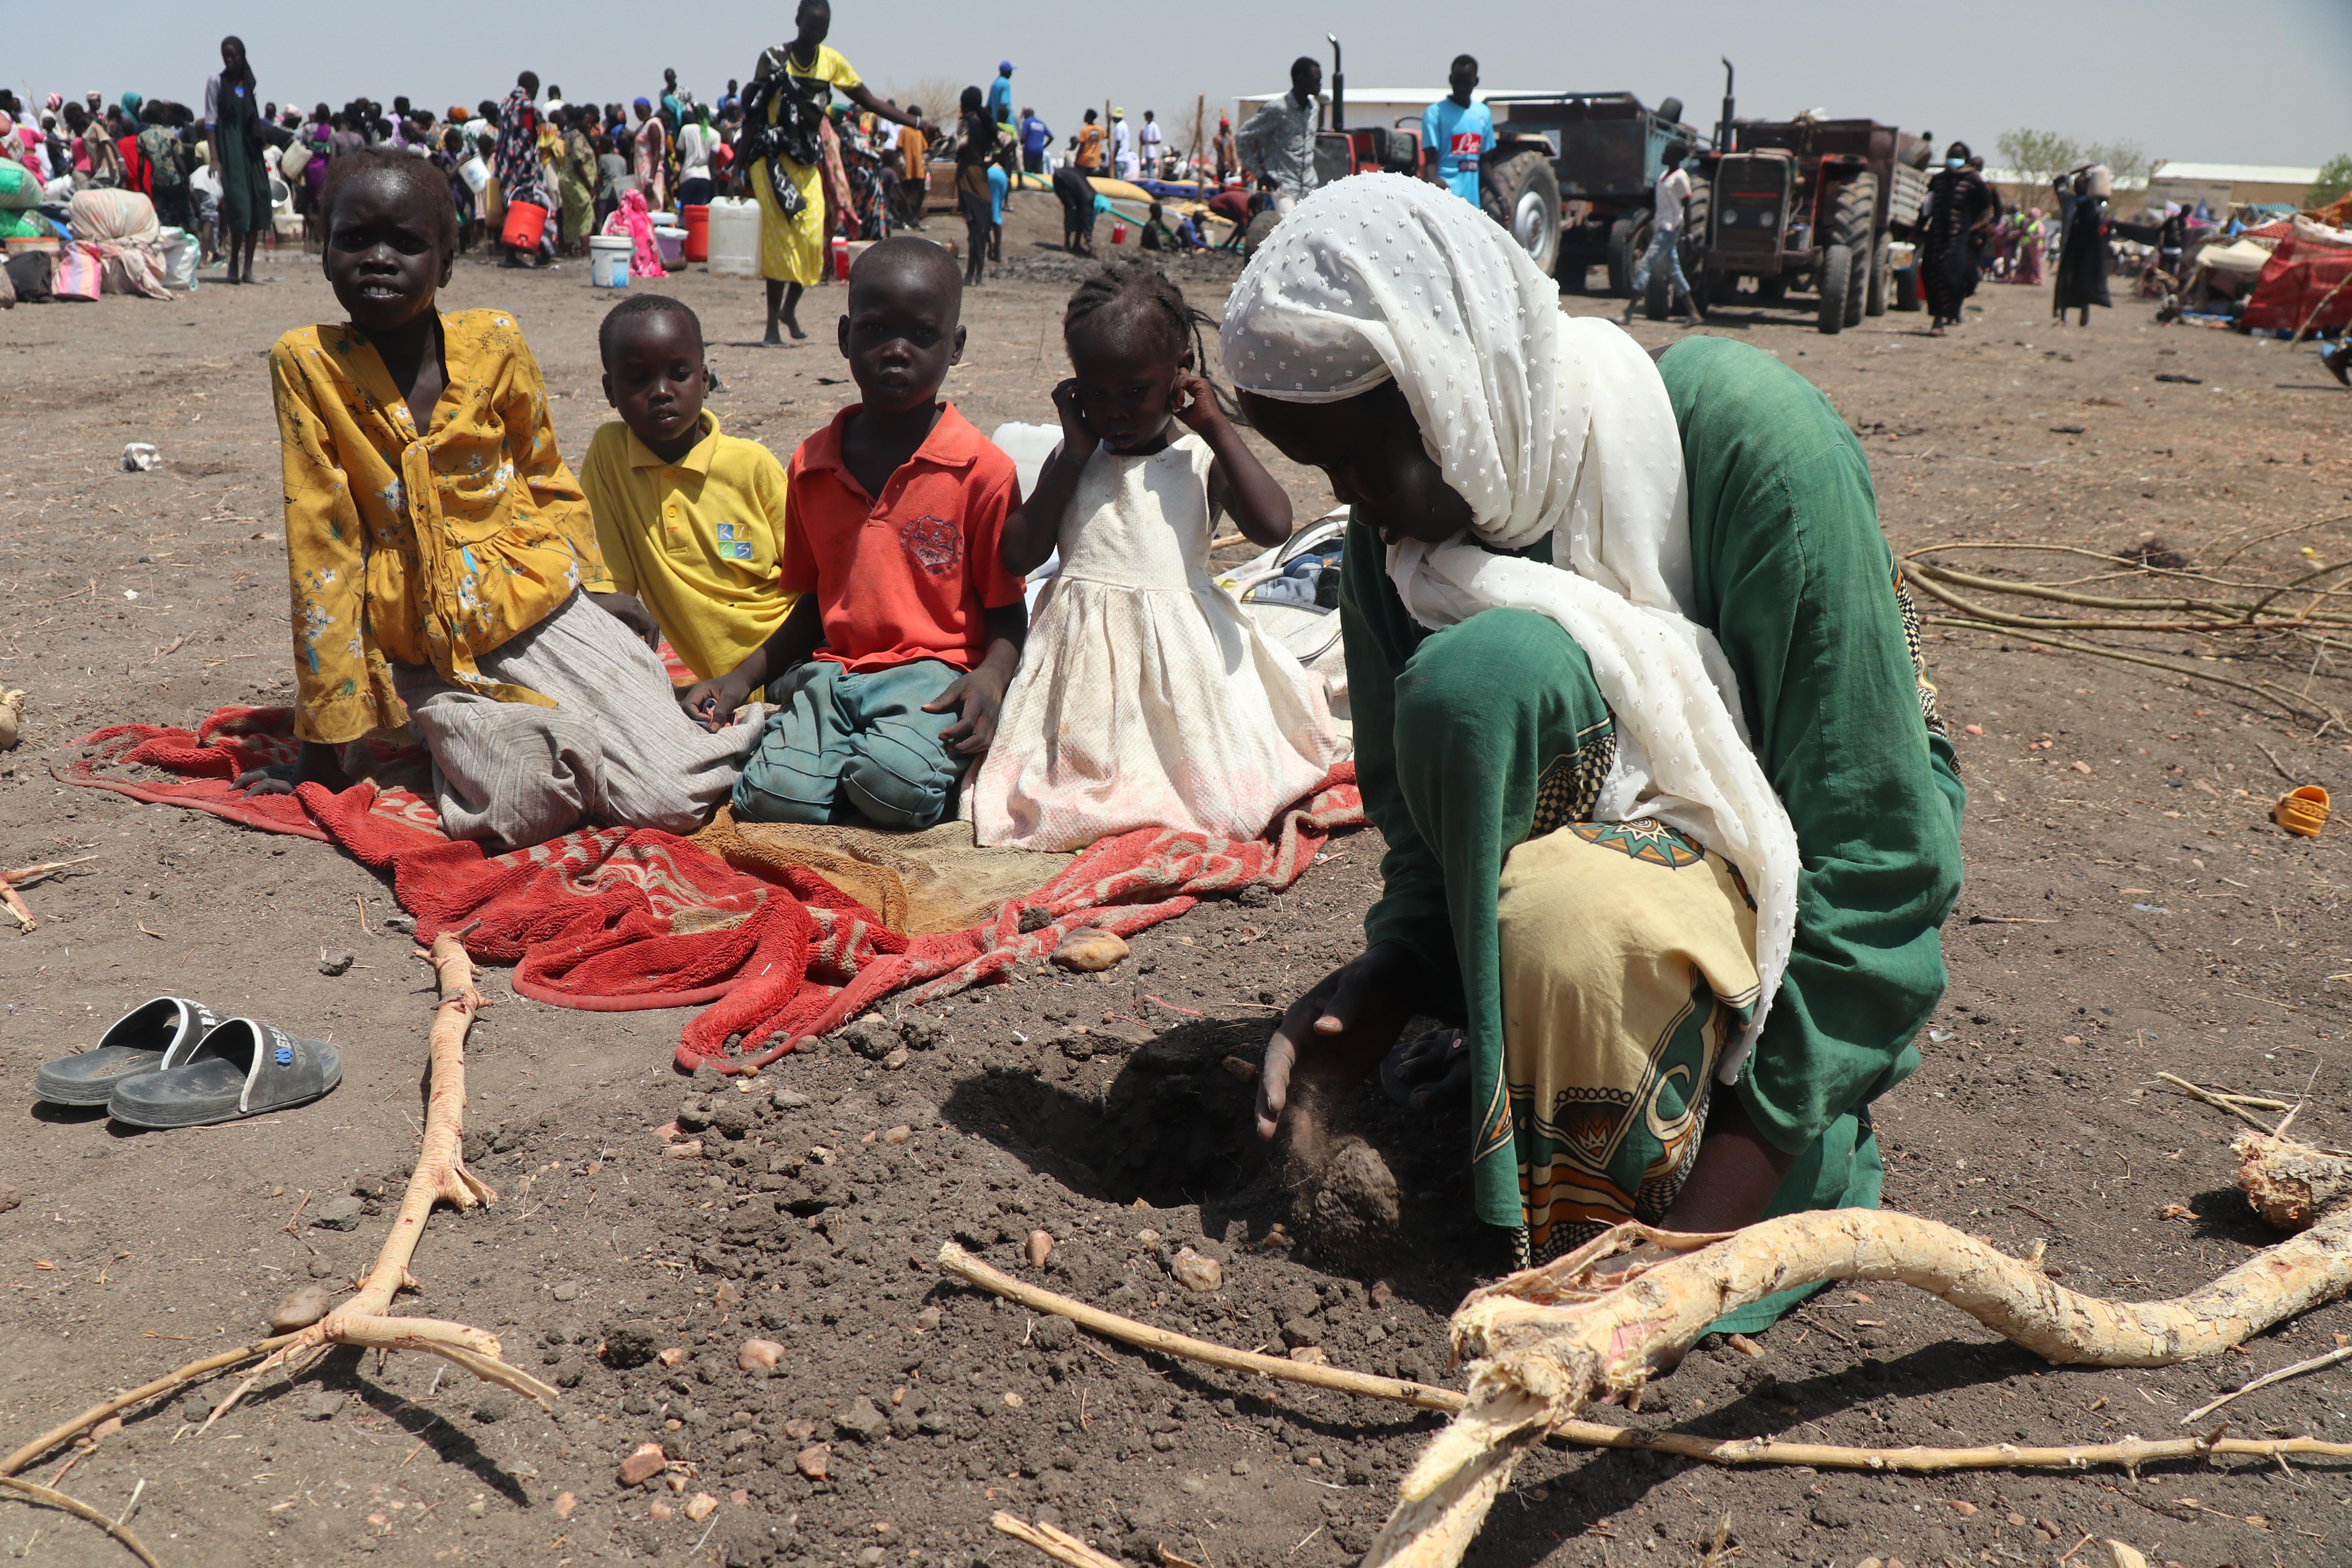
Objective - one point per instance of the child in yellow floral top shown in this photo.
(437, 545)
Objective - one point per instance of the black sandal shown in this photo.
(150, 1036)
(241, 1068)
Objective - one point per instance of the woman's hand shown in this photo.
(319, 764)
(1343, 1027)
(631, 612)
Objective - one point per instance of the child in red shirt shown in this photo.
(890, 670)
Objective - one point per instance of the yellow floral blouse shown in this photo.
(423, 551)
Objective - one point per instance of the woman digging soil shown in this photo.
(1672, 824)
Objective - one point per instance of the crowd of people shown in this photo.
(1968, 235)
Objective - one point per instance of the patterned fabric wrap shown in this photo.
(1625, 973)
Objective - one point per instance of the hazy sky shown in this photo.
(2261, 82)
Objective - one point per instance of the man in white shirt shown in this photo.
(1152, 139)
(1122, 144)
(696, 143)
(1673, 198)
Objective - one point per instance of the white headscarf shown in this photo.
(1546, 423)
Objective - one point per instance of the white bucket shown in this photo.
(734, 237)
(475, 172)
(608, 260)
(671, 244)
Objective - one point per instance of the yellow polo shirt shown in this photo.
(698, 540)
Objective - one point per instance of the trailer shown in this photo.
(1572, 176)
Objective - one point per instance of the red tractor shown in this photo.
(1814, 203)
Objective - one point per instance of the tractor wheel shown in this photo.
(1518, 189)
(1857, 203)
(1628, 237)
(1882, 277)
(1838, 276)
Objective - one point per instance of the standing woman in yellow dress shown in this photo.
(784, 109)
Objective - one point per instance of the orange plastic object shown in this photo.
(2302, 810)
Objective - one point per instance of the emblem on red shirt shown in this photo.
(935, 544)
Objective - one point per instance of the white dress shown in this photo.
(1146, 698)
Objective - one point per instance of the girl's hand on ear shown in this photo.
(1077, 438)
(1194, 401)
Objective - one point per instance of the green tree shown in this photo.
(2335, 181)
(2037, 157)
(2126, 161)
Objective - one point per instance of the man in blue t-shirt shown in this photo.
(1455, 133)
(1000, 94)
(1035, 137)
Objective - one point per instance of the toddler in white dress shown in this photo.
(1145, 697)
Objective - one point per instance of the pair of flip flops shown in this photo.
(171, 1063)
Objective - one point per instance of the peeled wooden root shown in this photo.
(1548, 1342)
(440, 1176)
(2129, 1454)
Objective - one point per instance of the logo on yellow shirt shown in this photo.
(731, 547)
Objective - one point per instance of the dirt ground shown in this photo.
(2129, 909)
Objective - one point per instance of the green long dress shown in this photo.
(1457, 731)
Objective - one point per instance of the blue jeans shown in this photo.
(846, 746)
(1661, 243)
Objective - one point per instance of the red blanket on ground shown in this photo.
(615, 919)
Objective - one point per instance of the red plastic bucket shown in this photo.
(1119, 232)
(840, 258)
(526, 221)
(697, 222)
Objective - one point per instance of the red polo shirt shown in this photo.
(909, 575)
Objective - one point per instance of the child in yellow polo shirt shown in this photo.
(691, 521)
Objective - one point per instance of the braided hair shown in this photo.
(1121, 293)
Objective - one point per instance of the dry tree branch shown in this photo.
(2219, 618)
(1546, 1342)
(34, 1492)
(2341, 1352)
(440, 1176)
(1058, 1545)
(2265, 697)
(955, 1260)
(440, 1173)
(2233, 1104)
(2129, 1454)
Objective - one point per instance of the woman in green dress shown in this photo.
(576, 179)
(233, 115)
(1670, 824)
